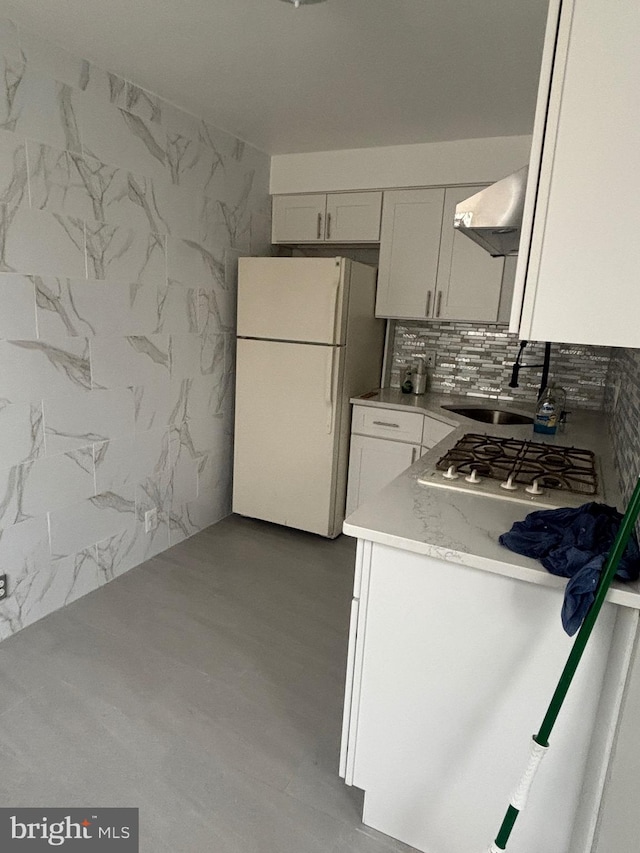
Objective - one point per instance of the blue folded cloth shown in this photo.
(574, 543)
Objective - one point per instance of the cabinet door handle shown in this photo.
(428, 303)
(386, 423)
(413, 455)
(328, 226)
(439, 305)
(319, 233)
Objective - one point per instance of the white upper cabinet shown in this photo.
(353, 217)
(298, 218)
(409, 248)
(429, 271)
(469, 280)
(327, 218)
(577, 277)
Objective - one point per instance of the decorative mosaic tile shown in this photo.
(478, 359)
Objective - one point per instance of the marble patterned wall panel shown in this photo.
(58, 583)
(13, 170)
(32, 370)
(191, 264)
(17, 317)
(124, 254)
(78, 307)
(36, 241)
(45, 112)
(49, 482)
(178, 310)
(81, 421)
(154, 404)
(133, 360)
(127, 460)
(199, 396)
(121, 219)
(77, 526)
(120, 138)
(21, 433)
(24, 548)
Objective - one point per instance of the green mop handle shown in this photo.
(540, 741)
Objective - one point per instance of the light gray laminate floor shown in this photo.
(204, 687)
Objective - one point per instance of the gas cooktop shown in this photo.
(548, 475)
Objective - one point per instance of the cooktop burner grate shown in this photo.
(564, 468)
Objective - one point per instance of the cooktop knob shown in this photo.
(451, 473)
(508, 484)
(534, 488)
(473, 477)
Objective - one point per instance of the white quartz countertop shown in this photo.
(462, 528)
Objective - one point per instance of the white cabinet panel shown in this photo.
(373, 464)
(353, 217)
(582, 267)
(298, 218)
(327, 218)
(379, 422)
(409, 247)
(469, 279)
(434, 431)
(446, 706)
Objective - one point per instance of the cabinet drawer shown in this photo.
(387, 423)
(434, 431)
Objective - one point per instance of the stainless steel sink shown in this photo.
(489, 416)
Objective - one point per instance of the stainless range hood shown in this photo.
(493, 217)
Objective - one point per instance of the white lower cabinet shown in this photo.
(449, 671)
(373, 463)
(384, 443)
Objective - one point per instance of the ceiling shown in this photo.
(338, 74)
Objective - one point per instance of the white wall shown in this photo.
(460, 162)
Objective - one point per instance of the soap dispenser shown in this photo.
(551, 403)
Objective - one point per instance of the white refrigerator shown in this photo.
(307, 341)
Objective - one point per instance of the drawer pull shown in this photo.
(386, 423)
(319, 231)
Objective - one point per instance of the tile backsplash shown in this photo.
(477, 359)
(622, 402)
(121, 221)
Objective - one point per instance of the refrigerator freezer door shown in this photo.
(285, 458)
(291, 299)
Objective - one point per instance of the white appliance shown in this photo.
(307, 342)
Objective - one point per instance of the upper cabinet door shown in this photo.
(581, 270)
(353, 217)
(298, 218)
(409, 247)
(469, 279)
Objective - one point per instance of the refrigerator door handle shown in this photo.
(328, 396)
(335, 294)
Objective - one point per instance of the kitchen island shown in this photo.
(455, 648)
